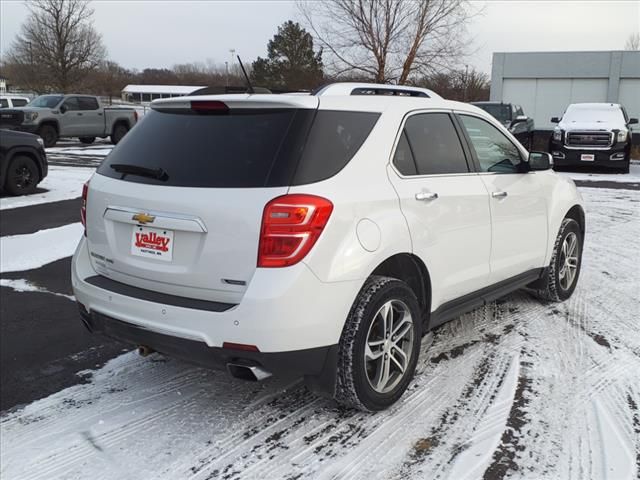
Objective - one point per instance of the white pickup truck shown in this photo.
(81, 116)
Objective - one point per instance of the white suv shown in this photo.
(317, 235)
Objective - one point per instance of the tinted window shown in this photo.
(72, 103)
(4, 103)
(435, 144)
(403, 158)
(245, 148)
(19, 102)
(88, 103)
(494, 150)
(333, 140)
(236, 150)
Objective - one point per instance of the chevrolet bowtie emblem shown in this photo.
(143, 218)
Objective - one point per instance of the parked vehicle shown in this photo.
(317, 235)
(11, 101)
(513, 118)
(23, 162)
(56, 116)
(596, 134)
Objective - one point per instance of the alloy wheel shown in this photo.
(568, 261)
(389, 346)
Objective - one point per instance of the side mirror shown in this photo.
(633, 121)
(63, 108)
(540, 161)
(555, 120)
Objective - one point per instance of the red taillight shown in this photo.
(209, 106)
(83, 206)
(291, 225)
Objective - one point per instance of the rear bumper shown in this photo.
(293, 364)
(283, 310)
(615, 157)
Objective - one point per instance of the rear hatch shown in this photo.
(177, 205)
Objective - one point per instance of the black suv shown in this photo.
(23, 162)
(513, 118)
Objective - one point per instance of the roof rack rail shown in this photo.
(349, 88)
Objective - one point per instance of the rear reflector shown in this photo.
(291, 225)
(210, 106)
(240, 346)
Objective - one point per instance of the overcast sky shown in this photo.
(150, 33)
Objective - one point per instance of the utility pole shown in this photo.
(226, 78)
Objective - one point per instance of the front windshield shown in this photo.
(499, 111)
(604, 114)
(46, 101)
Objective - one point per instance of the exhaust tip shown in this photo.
(145, 351)
(251, 373)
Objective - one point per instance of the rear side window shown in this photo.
(333, 140)
(435, 144)
(245, 148)
(88, 103)
(4, 103)
(403, 158)
(18, 102)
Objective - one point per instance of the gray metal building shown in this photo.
(545, 83)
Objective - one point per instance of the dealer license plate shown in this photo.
(152, 243)
(588, 157)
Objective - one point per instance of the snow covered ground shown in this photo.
(33, 250)
(517, 389)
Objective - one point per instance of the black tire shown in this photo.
(87, 140)
(119, 131)
(555, 288)
(49, 135)
(22, 176)
(353, 386)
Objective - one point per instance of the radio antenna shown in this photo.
(246, 77)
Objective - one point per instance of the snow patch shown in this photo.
(33, 250)
(22, 285)
(632, 177)
(62, 183)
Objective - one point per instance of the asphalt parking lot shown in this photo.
(513, 370)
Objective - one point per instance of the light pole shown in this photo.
(232, 51)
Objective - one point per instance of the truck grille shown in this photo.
(589, 139)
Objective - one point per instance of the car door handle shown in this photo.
(499, 194)
(425, 196)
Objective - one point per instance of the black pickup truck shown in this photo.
(513, 118)
(23, 162)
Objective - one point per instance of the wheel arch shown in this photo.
(410, 269)
(20, 151)
(577, 213)
(52, 122)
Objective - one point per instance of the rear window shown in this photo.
(245, 148)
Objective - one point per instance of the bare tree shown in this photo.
(468, 85)
(388, 40)
(57, 46)
(633, 42)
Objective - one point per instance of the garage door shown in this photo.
(630, 97)
(543, 98)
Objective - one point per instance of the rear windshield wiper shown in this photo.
(125, 168)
